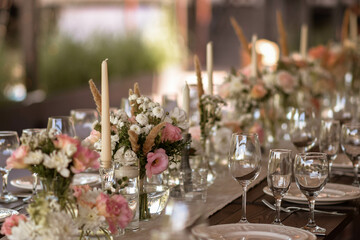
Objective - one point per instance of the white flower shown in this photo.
(152, 105)
(158, 112)
(119, 155)
(120, 124)
(142, 119)
(97, 145)
(147, 128)
(114, 141)
(140, 100)
(24, 231)
(122, 115)
(269, 80)
(61, 226)
(59, 161)
(114, 120)
(89, 219)
(179, 116)
(70, 149)
(33, 158)
(135, 128)
(53, 132)
(130, 157)
(90, 196)
(133, 97)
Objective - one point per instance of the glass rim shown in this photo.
(281, 150)
(8, 133)
(245, 134)
(83, 110)
(306, 154)
(60, 117)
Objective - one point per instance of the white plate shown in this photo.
(332, 194)
(251, 231)
(7, 212)
(342, 162)
(79, 179)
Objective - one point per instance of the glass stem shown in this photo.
(356, 179)
(330, 166)
(278, 205)
(311, 222)
(4, 186)
(35, 180)
(243, 218)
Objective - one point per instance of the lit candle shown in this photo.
(186, 99)
(209, 66)
(105, 117)
(353, 27)
(303, 40)
(253, 57)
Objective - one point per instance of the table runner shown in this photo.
(223, 191)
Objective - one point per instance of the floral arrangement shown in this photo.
(55, 158)
(245, 93)
(97, 212)
(150, 138)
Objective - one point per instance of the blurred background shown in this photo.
(49, 49)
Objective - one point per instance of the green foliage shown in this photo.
(66, 63)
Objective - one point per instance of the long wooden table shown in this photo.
(346, 227)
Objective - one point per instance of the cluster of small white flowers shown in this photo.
(34, 157)
(59, 161)
(33, 140)
(237, 86)
(127, 157)
(89, 219)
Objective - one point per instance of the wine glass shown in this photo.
(350, 144)
(32, 133)
(342, 108)
(303, 129)
(279, 176)
(244, 162)
(83, 120)
(329, 140)
(62, 125)
(311, 172)
(9, 141)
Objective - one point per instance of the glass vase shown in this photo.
(57, 188)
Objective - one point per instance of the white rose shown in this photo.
(130, 156)
(119, 155)
(179, 116)
(158, 112)
(142, 119)
(34, 158)
(135, 128)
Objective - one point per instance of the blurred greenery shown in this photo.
(66, 63)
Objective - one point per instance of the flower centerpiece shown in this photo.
(150, 137)
(98, 214)
(55, 158)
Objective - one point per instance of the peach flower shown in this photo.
(10, 222)
(318, 52)
(171, 133)
(157, 162)
(286, 81)
(85, 158)
(16, 160)
(93, 138)
(258, 91)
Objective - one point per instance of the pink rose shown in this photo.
(63, 141)
(258, 91)
(157, 162)
(171, 133)
(93, 138)
(116, 211)
(16, 160)
(10, 222)
(286, 81)
(85, 158)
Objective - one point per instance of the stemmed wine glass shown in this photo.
(62, 125)
(26, 134)
(311, 172)
(350, 144)
(9, 141)
(279, 176)
(303, 129)
(329, 140)
(342, 108)
(83, 120)
(244, 162)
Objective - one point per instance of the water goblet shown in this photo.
(62, 125)
(244, 162)
(27, 135)
(311, 172)
(303, 129)
(329, 140)
(83, 120)
(9, 141)
(350, 144)
(279, 176)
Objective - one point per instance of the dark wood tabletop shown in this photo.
(346, 227)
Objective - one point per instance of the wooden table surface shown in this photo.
(345, 227)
